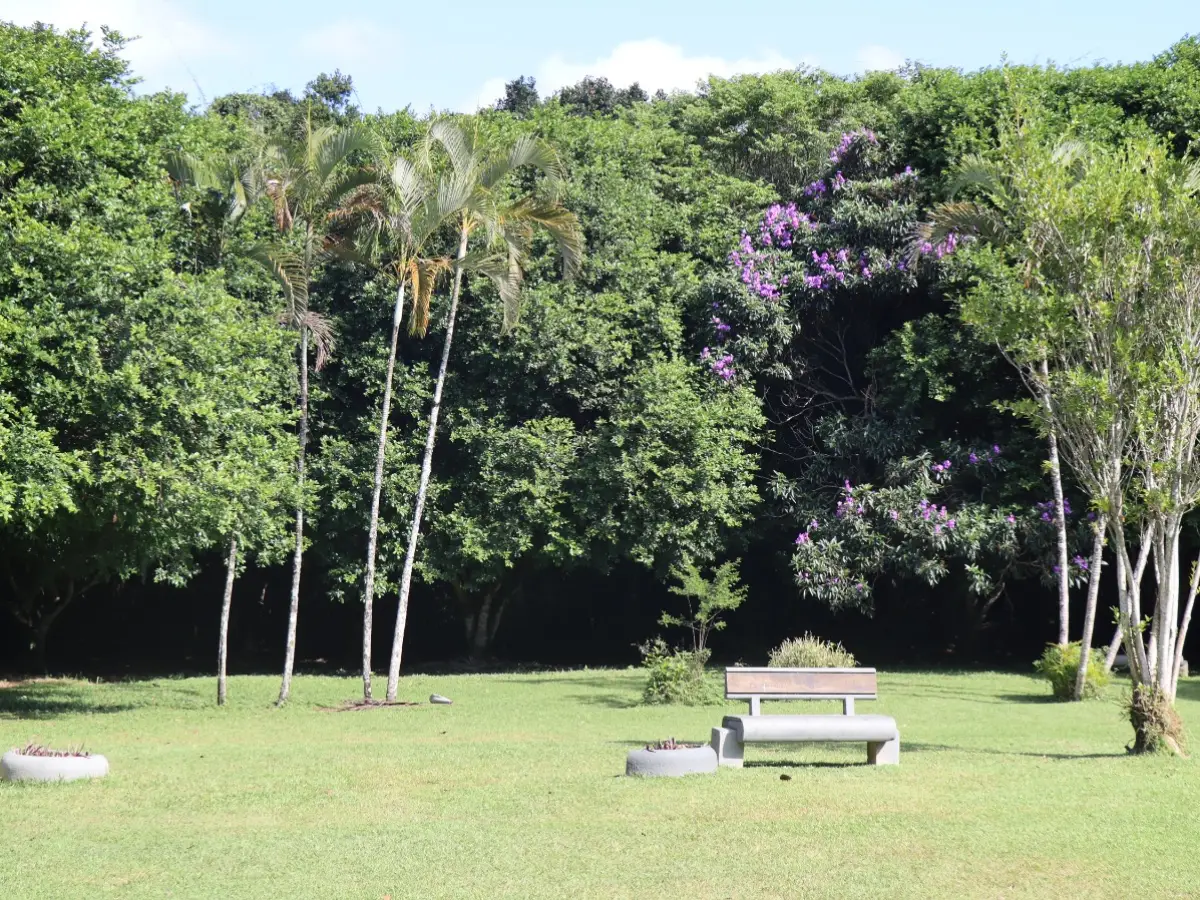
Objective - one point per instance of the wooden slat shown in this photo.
(741, 682)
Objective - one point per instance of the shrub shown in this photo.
(676, 676)
(811, 652)
(1059, 665)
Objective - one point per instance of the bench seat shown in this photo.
(765, 729)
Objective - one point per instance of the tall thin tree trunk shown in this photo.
(1114, 647)
(373, 528)
(1184, 624)
(289, 659)
(1089, 615)
(226, 604)
(423, 486)
(1060, 517)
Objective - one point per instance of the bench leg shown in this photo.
(729, 751)
(884, 753)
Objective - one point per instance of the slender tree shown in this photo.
(995, 217)
(489, 212)
(305, 177)
(226, 605)
(392, 222)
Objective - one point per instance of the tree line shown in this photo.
(746, 338)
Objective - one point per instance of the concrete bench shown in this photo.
(754, 685)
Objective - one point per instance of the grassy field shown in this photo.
(516, 791)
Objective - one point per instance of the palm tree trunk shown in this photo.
(373, 528)
(289, 659)
(1060, 517)
(1089, 615)
(423, 485)
(226, 603)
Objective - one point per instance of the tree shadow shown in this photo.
(611, 701)
(1189, 689)
(918, 747)
(49, 700)
(1029, 698)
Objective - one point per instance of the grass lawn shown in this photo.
(515, 791)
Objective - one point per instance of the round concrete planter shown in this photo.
(671, 763)
(16, 766)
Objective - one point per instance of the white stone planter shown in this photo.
(671, 763)
(16, 766)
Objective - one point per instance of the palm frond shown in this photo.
(504, 271)
(562, 225)
(527, 150)
(287, 271)
(1191, 178)
(320, 330)
(977, 172)
(424, 274)
(961, 218)
(409, 185)
(459, 146)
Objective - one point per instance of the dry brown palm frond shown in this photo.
(321, 331)
(424, 274)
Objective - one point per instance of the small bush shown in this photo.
(811, 652)
(1059, 665)
(676, 676)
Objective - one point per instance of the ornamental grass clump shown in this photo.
(1059, 665)
(811, 652)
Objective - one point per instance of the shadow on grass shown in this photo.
(48, 700)
(917, 747)
(1189, 689)
(611, 701)
(800, 764)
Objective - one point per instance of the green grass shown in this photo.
(515, 791)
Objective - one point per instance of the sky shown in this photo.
(458, 55)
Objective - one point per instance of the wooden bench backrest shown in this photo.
(755, 684)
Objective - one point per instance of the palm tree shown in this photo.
(392, 222)
(998, 218)
(305, 177)
(480, 174)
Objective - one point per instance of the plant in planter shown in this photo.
(36, 762)
(671, 758)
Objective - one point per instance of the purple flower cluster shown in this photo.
(805, 537)
(849, 139)
(942, 468)
(1048, 513)
(754, 269)
(780, 224)
(942, 248)
(983, 456)
(721, 365)
(931, 512)
(816, 189)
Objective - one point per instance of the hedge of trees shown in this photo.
(744, 339)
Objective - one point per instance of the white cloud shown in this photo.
(652, 63)
(169, 38)
(876, 58)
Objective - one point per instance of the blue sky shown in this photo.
(457, 55)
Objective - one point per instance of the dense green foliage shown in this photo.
(749, 356)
